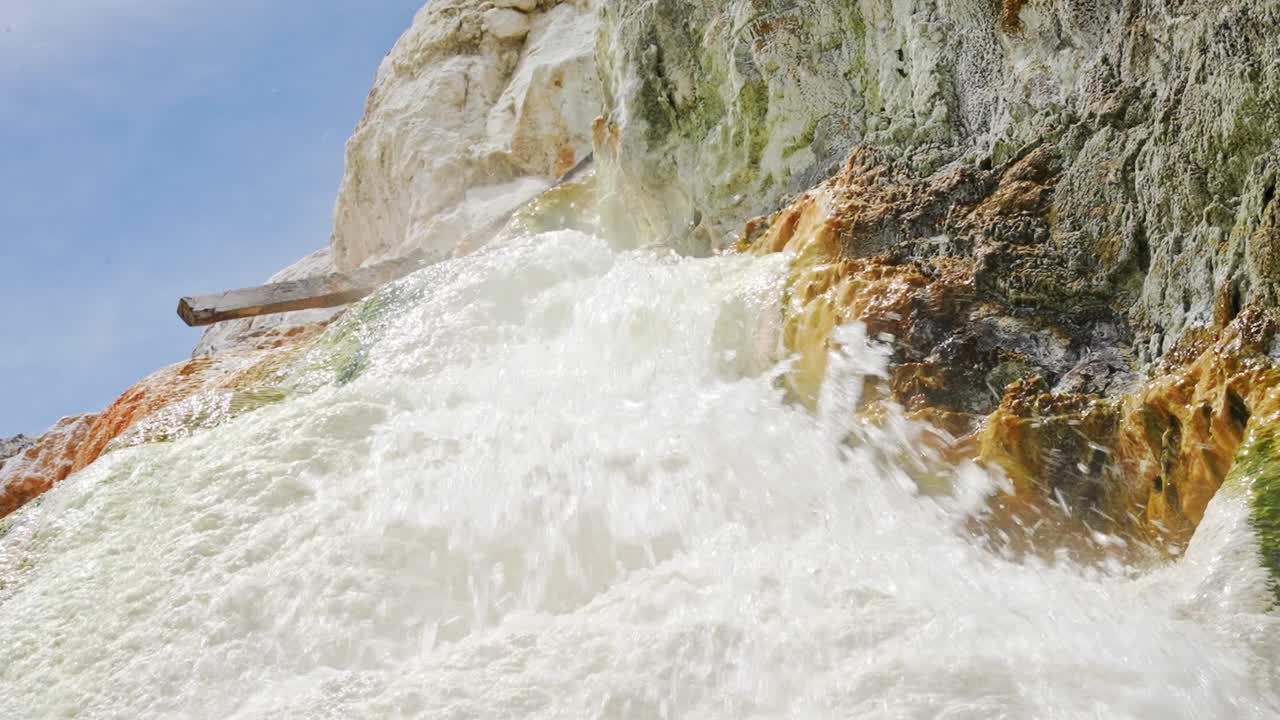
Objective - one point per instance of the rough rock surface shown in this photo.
(45, 462)
(168, 404)
(879, 244)
(267, 331)
(12, 446)
(1162, 114)
(477, 109)
(1046, 202)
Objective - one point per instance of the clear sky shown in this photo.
(151, 149)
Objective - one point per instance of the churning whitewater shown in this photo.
(565, 482)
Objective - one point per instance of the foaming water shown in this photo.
(567, 484)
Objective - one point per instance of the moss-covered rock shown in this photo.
(1162, 124)
(1256, 473)
(1075, 190)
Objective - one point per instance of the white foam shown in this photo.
(568, 486)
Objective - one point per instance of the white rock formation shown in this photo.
(477, 109)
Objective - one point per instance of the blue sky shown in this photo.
(155, 148)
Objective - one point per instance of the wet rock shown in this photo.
(1184, 427)
(181, 399)
(713, 108)
(478, 108)
(881, 244)
(159, 390)
(1255, 474)
(1107, 372)
(1010, 15)
(1062, 216)
(568, 206)
(1057, 448)
(43, 463)
(1152, 459)
(1144, 137)
(1049, 385)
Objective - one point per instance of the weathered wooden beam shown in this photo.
(320, 292)
(325, 291)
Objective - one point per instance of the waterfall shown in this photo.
(566, 481)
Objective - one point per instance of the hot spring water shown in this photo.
(563, 482)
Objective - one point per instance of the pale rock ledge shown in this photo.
(477, 109)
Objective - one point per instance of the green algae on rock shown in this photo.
(1162, 126)
(1256, 473)
(1091, 186)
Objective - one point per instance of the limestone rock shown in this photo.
(992, 340)
(718, 110)
(1163, 121)
(1046, 203)
(948, 265)
(201, 393)
(45, 462)
(1255, 475)
(477, 109)
(12, 446)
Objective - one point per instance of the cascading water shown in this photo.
(563, 482)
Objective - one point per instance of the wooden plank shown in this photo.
(320, 292)
(325, 291)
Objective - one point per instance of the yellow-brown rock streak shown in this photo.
(48, 462)
(1144, 462)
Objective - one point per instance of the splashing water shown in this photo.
(566, 484)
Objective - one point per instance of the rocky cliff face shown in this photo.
(480, 106)
(42, 463)
(1044, 201)
(1158, 118)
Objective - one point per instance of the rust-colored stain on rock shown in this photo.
(48, 462)
(1145, 462)
(1011, 15)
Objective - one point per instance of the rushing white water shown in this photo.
(567, 486)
